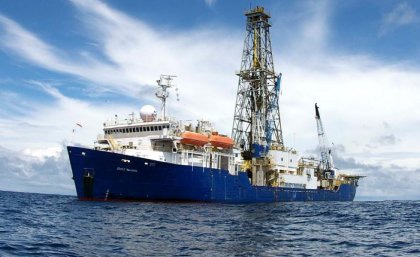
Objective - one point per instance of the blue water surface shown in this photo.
(54, 225)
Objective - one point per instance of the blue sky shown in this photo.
(63, 62)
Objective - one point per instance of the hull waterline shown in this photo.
(101, 175)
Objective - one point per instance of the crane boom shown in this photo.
(324, 147)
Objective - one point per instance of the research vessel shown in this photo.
(155, 157)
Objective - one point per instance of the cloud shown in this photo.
(32, 49)
(386, 125)
(26, 173)
(388, 140)
(41, 124)
(194, 56)
(210, 3)
(381, 181)
(401, 15)
(136, 55)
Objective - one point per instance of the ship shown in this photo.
(155, 157)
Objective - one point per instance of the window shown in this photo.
(148, 128)
(160, 127)
(281, 158)
(152, 128)
(137, 129)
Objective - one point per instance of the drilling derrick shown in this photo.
(256, 123)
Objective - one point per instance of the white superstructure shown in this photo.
(162, 138)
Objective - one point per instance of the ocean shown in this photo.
(56, 225)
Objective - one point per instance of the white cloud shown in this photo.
(402, 15)
(32, 49)
(139, 54)
(210, 3)
(47, 124)
(384, 181)
(144, 53)
(25, 173)
(357, 94)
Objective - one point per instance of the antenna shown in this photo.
(164, 83)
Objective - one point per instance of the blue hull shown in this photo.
(100, 175)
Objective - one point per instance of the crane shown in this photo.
(326, 162)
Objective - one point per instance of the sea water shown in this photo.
(54, 225)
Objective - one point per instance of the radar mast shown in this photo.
(164, 83)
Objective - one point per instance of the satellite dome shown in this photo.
(148, 113)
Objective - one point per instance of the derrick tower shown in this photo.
(256, 122)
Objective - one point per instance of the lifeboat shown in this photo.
(192, 138)
(221, 141)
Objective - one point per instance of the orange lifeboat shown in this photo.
(221, 141)
(192, 138)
